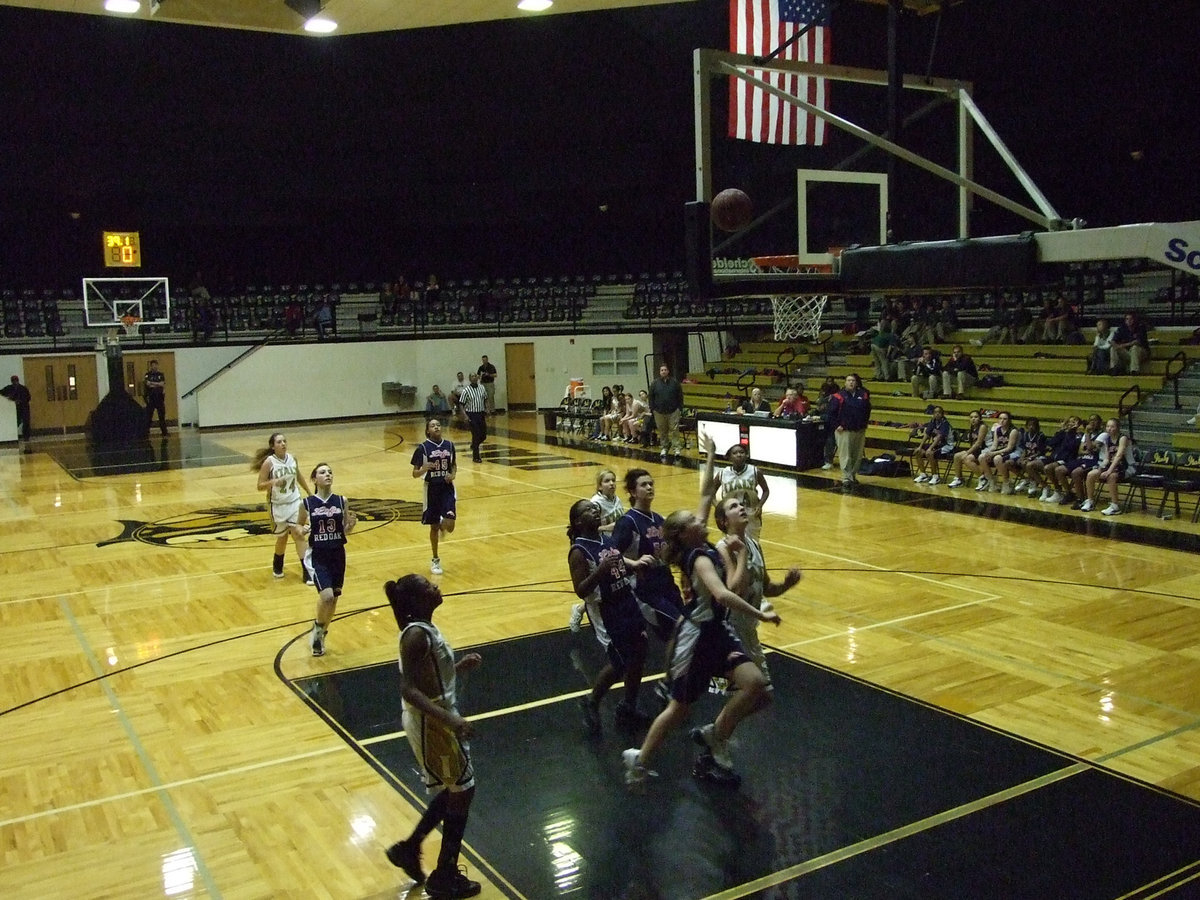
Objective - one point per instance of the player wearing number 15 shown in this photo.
(434, 458)
(279, 475)
(326, 518)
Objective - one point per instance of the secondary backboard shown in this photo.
(835, 210)
(108, 302)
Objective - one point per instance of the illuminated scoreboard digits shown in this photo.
(122, 249)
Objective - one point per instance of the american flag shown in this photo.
(757, 28)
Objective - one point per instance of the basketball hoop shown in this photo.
(797, 317)
(130, 324)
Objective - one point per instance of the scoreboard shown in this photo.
(122, 250)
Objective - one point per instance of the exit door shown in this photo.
(64, 390)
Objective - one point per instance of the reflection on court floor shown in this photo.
(849, 791)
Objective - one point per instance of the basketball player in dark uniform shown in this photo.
(434, 458)
(639, 535)
(603, 580)
(326, 518)
(155, 383)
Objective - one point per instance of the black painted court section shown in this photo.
(833, 764)
(182, 449)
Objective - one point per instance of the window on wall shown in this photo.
(614, 360)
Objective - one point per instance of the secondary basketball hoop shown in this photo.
(797, 317)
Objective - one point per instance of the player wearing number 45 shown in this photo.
(279, 475)
(434, 458)
(326, 518)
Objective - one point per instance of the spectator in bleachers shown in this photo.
(927, 376)
(1101, 349)
(947, 321)
(849, 413)
(437, 404)
(323, 319)
(1055, 469)
(999, 324)
(1023, 328)
(1031, 447)
(935, 443)
(959, 374)
(920, 330)
(906, 362)
(1130, 346)
(1085, 460)
(1117, 462)
(1061, 326)
(293, 315)
(885, 347)
(975, 437)
(387, 302)
(1001, 442)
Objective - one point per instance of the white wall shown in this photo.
(332, 380)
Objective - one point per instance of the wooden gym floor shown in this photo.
(974, 698)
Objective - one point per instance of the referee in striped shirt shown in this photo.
(474, 399)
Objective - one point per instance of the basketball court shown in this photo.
(972, 698)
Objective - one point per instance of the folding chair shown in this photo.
(1184, 479)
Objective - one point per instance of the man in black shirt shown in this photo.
(19, 394)
(154, 383)
(487, 377)
(666, 402)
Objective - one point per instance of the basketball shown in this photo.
(732, 210)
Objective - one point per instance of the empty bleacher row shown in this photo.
(32, 314)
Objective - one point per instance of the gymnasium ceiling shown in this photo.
(360, 16)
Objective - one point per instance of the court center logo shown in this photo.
(220, 525)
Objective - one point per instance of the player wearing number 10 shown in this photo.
(435, 459)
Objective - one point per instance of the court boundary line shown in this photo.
(897, 834)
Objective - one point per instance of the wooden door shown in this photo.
(135, 366)
(64, 392)
(519, 376)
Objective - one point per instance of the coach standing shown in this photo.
(666, 403)
(474, 403)
(849, 413)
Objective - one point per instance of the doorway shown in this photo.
(64, 390)
(519, 376)
(135, 366)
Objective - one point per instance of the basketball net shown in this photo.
(797, 317)
(130, 325)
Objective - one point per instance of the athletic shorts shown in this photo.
(444, 760)
(623, 627)
(328, 567)
(702, 651)
(284, 515)
(440, 502)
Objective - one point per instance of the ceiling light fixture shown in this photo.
(125, 7)
(320, 25)
(535, 5)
